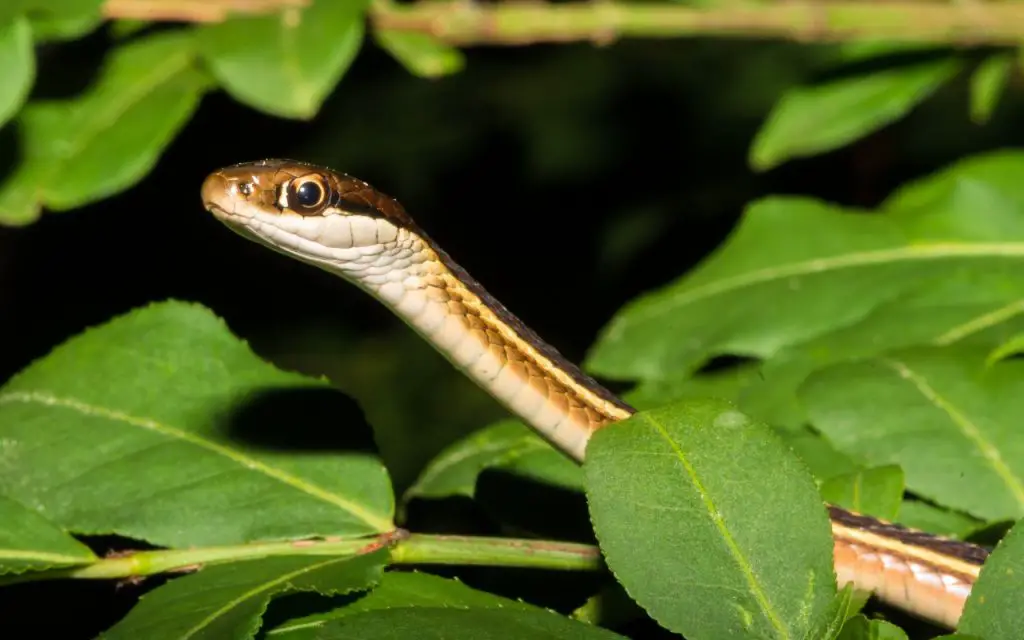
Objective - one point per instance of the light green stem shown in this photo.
(466, 22)
(406, 548)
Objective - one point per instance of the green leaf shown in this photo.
(18, 62)
(716, 568)
(987, 82)
(1012, 347)
(64, 20)
(508, 445)
(877, 491)
(949, 421)
(860, 627)
(844, 606)
(286, 64)
(816, 452)
(398, 590)
(726, 384)
(85, 149)
(814, 119)
(420, 53)
(29, 542)
(151, 426)
(993, 609)
(955, 239)
(926, 517)
(228, 600)
(430, 623)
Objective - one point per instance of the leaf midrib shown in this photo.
(909, 253)
(377, 521)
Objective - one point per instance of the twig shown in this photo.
(193, 10)
(520, 23)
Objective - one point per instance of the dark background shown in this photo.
(567, 179)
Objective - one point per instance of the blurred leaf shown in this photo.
(993, 609)
(509, 445)
(421, 54)
(228, 600)
(29, 542)
(18, 61)
(950, 422)
(816, 452)
(131, 428)
(877, 491)
(1012, 347)
(85, 149)
(844, 606)
(52, 20)
(399, 590)
(811, 120)
(860, 627)
(926, 517)
(431, 623)
(987, 82)
(955, 240)
(726, 384)
(286, 64)
(691, 472)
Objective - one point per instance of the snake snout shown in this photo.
(218, 192)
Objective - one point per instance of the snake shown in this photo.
(345, 226)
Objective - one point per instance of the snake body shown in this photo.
(343, 225)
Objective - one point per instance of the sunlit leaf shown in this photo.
(814, 119)
(228, 600)
(286, 63)
(154, 426)
(950, 422)
(84, 149)
(28, 542)
(691, 472)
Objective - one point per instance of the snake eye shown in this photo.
(307, 194)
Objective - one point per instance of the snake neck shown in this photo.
(479, 336)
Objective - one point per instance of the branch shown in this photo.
(406, 548)
(464, 22)
(193, 10)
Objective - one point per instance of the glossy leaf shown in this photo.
(432, 623)
(85, 149)
(398, 590)
(18, 62)
(877, 491)
(987, 82)
(814, 119)
(420, 53)
(959, 234)
(287, 63)
(152, 426)
(691, 473)
(993, 609)
(508, 445)
(948, 420)
(29, 542)
(228, 600)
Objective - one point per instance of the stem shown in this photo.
(405, 549)
(464, 22)
(194, 10)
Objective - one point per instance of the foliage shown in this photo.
(880, 372)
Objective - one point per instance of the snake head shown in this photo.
(306, 210)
